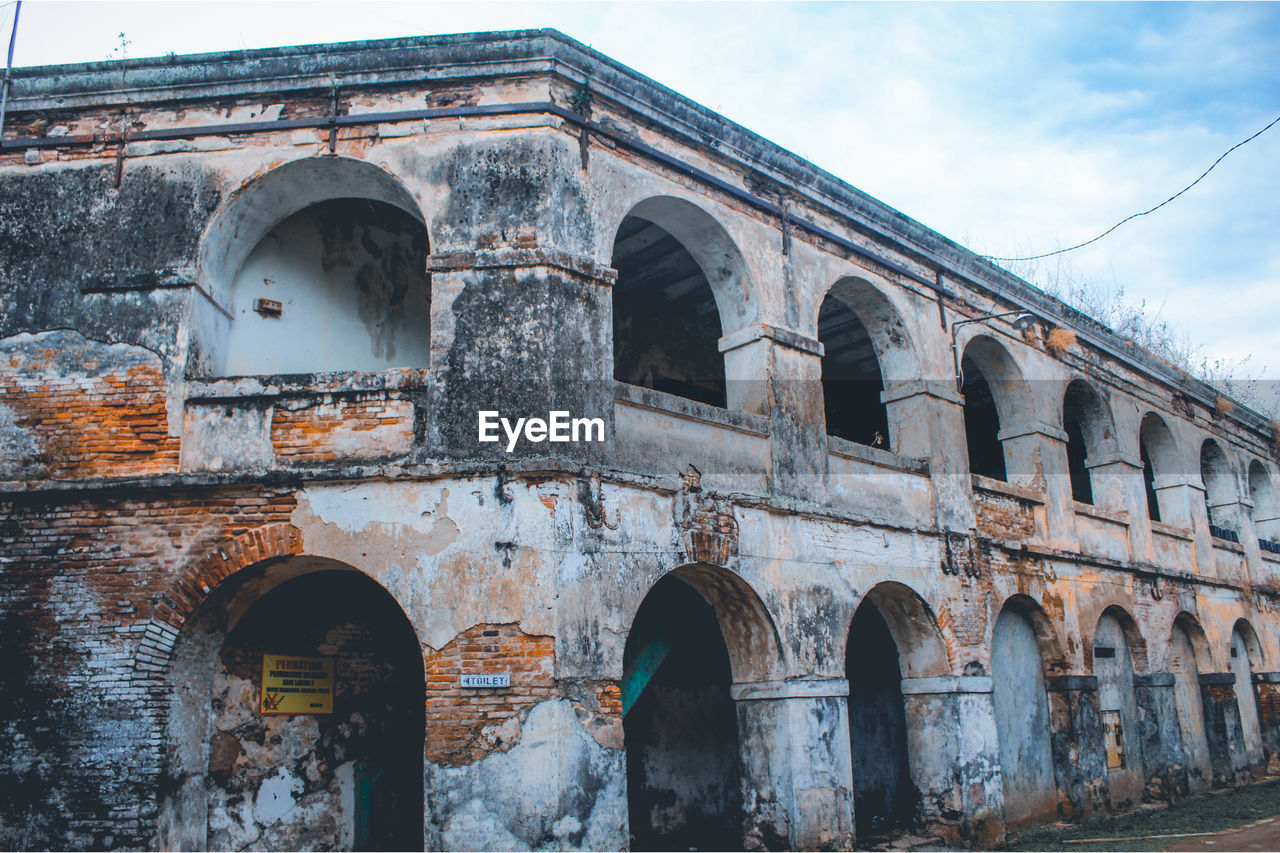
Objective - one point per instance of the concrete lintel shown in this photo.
(1021, 430)
(512, 258)
(1217, 678)
(807, 688)
(941, 389)
(947, 684)
(1174, 481)
(1154, 679)
(1266, 678)
(763, 331)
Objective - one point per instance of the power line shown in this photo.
(1273, 123)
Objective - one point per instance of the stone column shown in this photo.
(797, 775)
(926, 421)
(778, 373)
(1181, 500)
(523, 333)
(1222, 729)
(954, 751)
(1163, 758)
(1266, 686)
(1079, 749)
(1036, 457)
(796, 763)
(1118, 485)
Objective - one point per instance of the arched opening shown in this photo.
(1266, 508)
(296, 717)
(1187, 649)
(851, 379)
(892, 637)
(1219, 493)
(981, 423)
(1159, 457)
(1113, 665)
(319, 265)
(1022, 714)
(681, 286)
(1077, 469)
(1245, 654)
(680, 725)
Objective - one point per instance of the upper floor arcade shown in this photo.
(319, 258)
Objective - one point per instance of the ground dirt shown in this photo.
(1245, 818)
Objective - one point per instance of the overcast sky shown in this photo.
(1013, 129)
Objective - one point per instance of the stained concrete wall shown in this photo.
(1022, 720)
(126, 254)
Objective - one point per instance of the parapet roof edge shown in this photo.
(302, 67)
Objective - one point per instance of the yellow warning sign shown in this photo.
(294, 685)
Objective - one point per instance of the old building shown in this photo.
(858, 533)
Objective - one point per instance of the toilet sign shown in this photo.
(296, 685)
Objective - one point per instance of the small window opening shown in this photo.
(851, 379)
(1081, 485)
(1149, 482)
(666, 327)
(981, 424)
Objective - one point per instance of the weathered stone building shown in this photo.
(850, 556)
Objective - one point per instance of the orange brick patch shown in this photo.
(362, 427)
(461, 721)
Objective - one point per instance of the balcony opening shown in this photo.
(1081, 485)
(666, 326)
(338, 285)
(851, 379)
(981, 424)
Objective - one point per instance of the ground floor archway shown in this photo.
(296, 716)
(680, 725)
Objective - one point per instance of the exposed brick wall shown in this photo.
(1005, 518)
(95, 410)
(82, 585)
(462, 722)
(362, 427)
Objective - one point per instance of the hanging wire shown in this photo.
(1273, 123)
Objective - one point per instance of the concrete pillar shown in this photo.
(926, 421)
(1266, 687)
(1118, 485)
(522, 335)
(1222, 728)
(1163, 757)
(797, 779)
(1184, 496)
(954, 750)
(778, 373)
(1079, 750)
(1036, 456)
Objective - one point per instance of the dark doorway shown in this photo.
(666, 328)
(885, 799)
(368, 751)
(981, 424)
(1149, 483)
(680, 726)
(851, 380)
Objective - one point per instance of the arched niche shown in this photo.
(682, 285)
(893, 636)
(241, 774)
(1087, 421)
(866, 347)
(1266, 505)
(1024, 648)
(995, 398)
(1188, 658)
(1219, 490)
(1117, 653)
(1158, 452)
(1246, 657)
(317, 265)
(699, 631)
